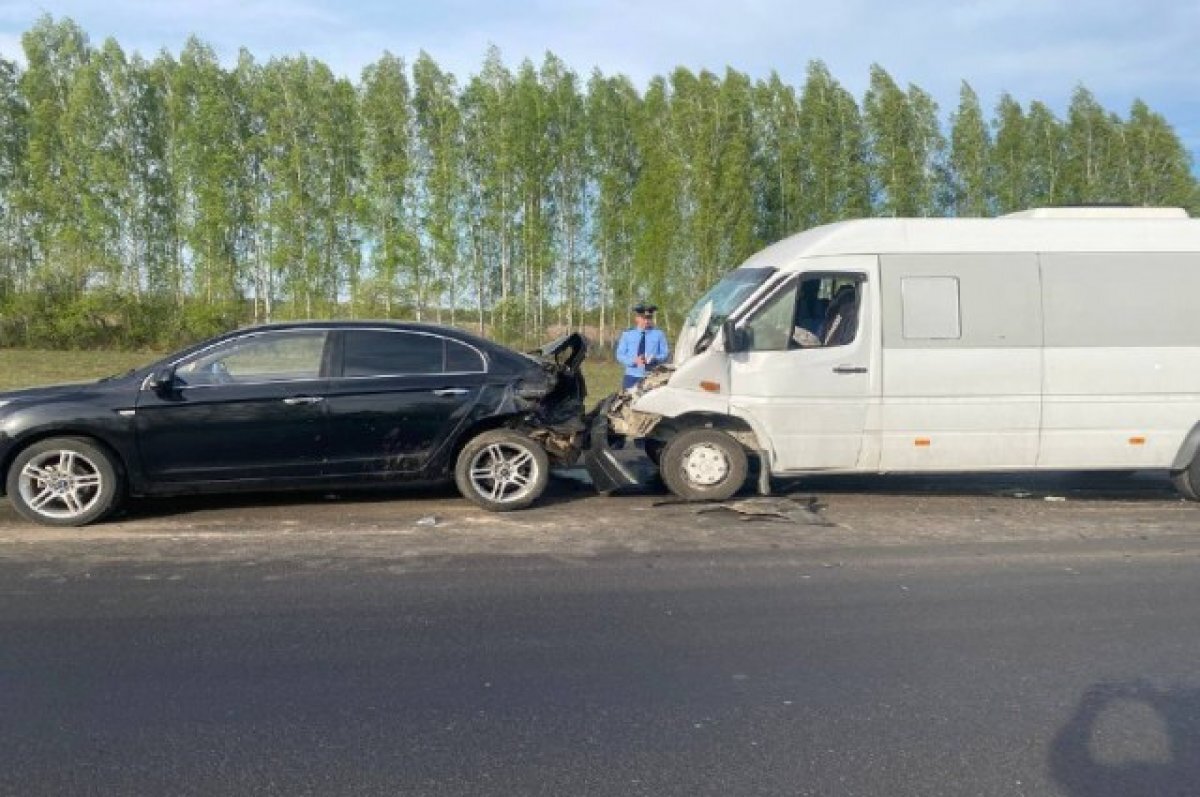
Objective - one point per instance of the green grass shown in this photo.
(603, 377)
(30, 367)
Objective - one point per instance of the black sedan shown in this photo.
(347, 404)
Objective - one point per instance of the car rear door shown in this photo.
(246, 408)
(396, 399)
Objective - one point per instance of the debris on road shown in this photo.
(1055, 498)
(428, 520)
(791, 508)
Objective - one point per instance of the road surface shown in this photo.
(963, 637)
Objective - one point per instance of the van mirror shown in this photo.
(161, 380)
(734, 339)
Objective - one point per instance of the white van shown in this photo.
(1050, 339)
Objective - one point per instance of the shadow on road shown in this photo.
(412, 495)
(1077, 485)
(571, 485)
(1130, 739)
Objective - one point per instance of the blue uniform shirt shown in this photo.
(627, 350)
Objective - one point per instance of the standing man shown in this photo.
(641, 347)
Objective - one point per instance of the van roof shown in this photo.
(1111, 230)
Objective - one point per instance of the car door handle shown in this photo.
(451, 391)
(296, 400)
(849, 369)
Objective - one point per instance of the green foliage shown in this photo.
(970, 157)
(151, 203)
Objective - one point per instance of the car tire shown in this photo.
(502, 470)
(704, 464)
(64, 481)
(1187, 481)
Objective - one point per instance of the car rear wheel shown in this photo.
(63, 481)
(704, 464)
(502, 470)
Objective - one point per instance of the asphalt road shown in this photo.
(985, 645)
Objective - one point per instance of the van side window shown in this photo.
(930, 308)
(771, 327)
(827, 313)
(841, 313)
(817, 311)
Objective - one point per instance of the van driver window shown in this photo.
(815, 312)
(839, 323)
(771, 327)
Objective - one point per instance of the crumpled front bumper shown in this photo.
(606, 470)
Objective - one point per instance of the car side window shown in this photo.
(381, 352)
(281, 356)
(462, 359)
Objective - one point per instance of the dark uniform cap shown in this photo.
(642, 308)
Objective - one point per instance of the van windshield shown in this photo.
(726, 296)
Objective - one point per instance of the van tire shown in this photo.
(704, 465)
(1187, 481)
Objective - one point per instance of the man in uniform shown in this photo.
(641, 347)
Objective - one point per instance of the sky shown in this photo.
(1033, 49)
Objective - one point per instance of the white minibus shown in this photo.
(1050, 339)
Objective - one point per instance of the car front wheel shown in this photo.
(502, 470)
(63, 481)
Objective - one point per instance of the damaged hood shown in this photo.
(565, 353)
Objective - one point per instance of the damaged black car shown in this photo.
(299, 406)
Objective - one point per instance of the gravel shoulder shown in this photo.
(892, 516)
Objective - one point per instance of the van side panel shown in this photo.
(966, 398)
(1122, 376)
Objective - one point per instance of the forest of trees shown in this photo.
(147, 202)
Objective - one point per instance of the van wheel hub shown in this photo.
(705, 465)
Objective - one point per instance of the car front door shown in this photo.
(807, 376)
(396, 399)
(247, 408)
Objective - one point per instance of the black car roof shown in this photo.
(403, 326)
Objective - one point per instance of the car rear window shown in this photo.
(395, 353)
(461, 358)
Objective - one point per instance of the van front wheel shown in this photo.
(704, 464)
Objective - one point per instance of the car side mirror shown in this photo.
(161, 380)
(734, 338)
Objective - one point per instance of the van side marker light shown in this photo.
(922, 442)
(711, 387)
(1137, 441)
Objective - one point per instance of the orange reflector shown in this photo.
(922, 442)
(711, 387)
(1137, 441)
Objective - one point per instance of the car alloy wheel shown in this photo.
(503, 473)
(61, 485)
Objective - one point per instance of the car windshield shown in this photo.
(725, 297)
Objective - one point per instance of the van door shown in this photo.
(962, 361)
(807, 374)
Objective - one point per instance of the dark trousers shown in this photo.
(631, 381)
